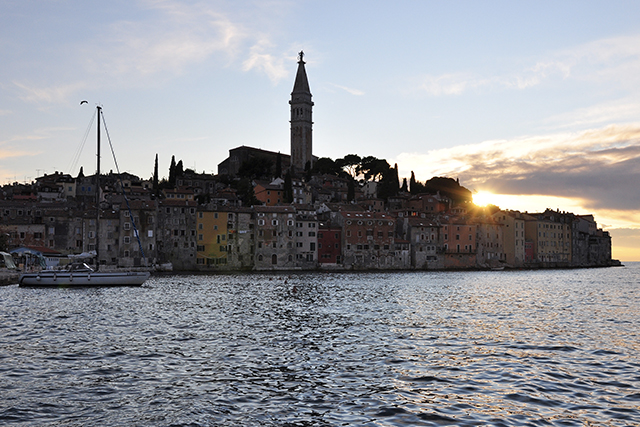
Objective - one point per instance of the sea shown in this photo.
(494, 348)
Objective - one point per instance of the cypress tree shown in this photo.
(279, 165)
(351, 190)
(412, 184)
(156, 186)
(172, 172)
(288, 188)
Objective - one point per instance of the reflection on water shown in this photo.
(315, 349)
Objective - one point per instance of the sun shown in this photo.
(484, 198)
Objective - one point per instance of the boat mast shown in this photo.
(98, 192)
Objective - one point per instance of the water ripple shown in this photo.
(404, 349)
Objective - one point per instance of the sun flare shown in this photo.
(484, 198)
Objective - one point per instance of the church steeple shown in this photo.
(301, 119)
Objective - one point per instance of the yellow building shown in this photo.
(212, 238)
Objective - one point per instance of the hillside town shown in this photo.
(265, 210)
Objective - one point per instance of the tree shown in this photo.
(172, 172)
(245, 192)
(156, 184)
(256, 168)
(389, 183)
(405, 187)
(279, 165)
(448, 187)
(179, 169)
(287, 197)
(415, 187)
(373, 168)
(351, 189)
(349, 164)
(324, 165)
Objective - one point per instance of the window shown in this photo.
(127, 226)
(127, 240)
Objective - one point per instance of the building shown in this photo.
(513, 236)
(329, 244)
(275, 237)
(301, 120)
(239, 155)
(306, 241)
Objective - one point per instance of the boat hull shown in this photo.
(65, 279)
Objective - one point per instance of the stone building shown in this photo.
(424, 237)
(301, 120)
(275, 237)
(177, 237)
(306, 247)
(513, 236)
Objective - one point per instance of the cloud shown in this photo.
(352, 91)
(600, 167)
(259, 59)
(167, 38)
(48, 95)
(172, 37)
(614, 111)
(613, 59)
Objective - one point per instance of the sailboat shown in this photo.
(81, 274)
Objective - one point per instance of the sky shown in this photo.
(531, 104)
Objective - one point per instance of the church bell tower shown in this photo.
(301, 121)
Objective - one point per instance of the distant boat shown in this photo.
(80, 274)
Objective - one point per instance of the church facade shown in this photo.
(301, 122)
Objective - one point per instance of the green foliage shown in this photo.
(156, 183)
(256, 168)
(245, 192)
(349, 164)
(351, 190)
(448, 187)
(373, 168)
(278, 173)
(389, 183)
(172, 172)
(287, 197)
(325, 165)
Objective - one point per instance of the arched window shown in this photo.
(274, 259)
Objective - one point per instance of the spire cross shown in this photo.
(301, 56)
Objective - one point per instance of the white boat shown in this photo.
(80, 274)
(83, 278)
